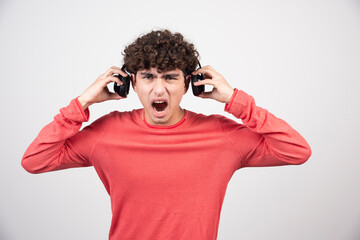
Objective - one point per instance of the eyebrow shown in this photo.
(172, 75)
(166, 74)
(145, 73)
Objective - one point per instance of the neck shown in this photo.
(171, 121)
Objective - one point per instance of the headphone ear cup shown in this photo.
(197, 90)
(122, 90)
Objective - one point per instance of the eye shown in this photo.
(169, 77)
(148, 76)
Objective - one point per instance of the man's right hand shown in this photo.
(98, 91)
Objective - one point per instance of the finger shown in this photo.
(201, 70)
(206, 70)
(115, 67)
(204, 82)
(114, 79)
(114, 96)
(111, 70)
(115, 70)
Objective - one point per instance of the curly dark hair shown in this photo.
(163, 50)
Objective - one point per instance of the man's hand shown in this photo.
(221, 92)
(98, 91)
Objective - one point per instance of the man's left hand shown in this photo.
(221, 92)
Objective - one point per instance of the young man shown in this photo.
(165, 168)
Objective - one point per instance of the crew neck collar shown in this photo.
(168, 126)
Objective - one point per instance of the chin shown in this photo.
(161, 122)
(157, 118)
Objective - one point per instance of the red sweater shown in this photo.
(166, 182)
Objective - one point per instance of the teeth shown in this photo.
(158, 111)
(159, 101)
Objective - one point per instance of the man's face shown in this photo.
(160, 94)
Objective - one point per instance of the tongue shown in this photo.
(160, 106)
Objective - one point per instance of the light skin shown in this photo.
(150, 85)
(166, 86)
(221, 92)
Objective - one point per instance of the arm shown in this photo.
(270, 140)
(59, 144)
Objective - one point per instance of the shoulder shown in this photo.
(115, 116)
(221, 121)
(124, 119)
(125, 115)
(202, 118)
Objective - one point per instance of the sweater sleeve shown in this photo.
(60, 144)
(266, 140)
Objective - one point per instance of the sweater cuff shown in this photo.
(239, 103)
(74, 112)
(228, 105)
(84, 113)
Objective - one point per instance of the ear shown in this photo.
(187, 83)
(133, 81)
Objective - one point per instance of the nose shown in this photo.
(159, 87)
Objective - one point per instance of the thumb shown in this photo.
(114, 96)
(205, 95)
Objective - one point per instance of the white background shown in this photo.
(298, 59)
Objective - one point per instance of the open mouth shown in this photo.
(159, 105)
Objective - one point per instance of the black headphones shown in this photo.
(123, 90)
(197, 90)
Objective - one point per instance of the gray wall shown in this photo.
(298, 59)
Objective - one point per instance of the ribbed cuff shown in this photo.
(240, 104)
(85, 113)
(228, 105)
